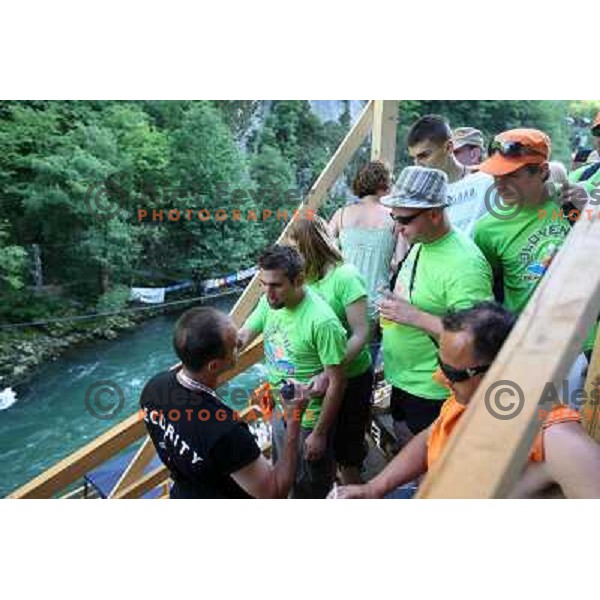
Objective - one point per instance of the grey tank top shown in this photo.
(370, 250)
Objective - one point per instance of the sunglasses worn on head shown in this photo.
(512, 149)
(407, 220)
(457, 375)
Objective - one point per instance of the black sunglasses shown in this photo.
(512, 149)
(407, 220)
(457, 375)
(596, 132)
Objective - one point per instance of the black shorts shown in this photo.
(349, 442)
(419, 413)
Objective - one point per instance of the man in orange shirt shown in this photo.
(562, 452)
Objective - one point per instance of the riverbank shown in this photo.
(22, 352)
(50, 418)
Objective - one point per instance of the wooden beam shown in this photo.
(314, 198)
(591, 408)
(250, 356)
(385, 124)
(338, 162)
(85, 459)
(485, 456)
(148, 482)
(135, 469)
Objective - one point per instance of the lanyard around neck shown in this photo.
(413, 274)
(195, 386)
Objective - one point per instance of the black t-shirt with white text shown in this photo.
(197, 437)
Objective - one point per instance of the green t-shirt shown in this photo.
(591, 183)
(522, 248)
(299, 343)
(592, 186)
(340, 287)
(448, 274)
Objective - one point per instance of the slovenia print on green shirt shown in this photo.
(523, 247)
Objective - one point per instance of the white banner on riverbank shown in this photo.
(209, 284)
(148, 295)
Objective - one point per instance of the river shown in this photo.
(49, 419)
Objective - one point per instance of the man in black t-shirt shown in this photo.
(208, 450)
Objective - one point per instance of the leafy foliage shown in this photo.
(13, 261)
(58, 158)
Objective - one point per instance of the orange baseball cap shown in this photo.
(596, 122)
(516, 148)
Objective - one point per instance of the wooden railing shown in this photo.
(591, 408)
(378, 116)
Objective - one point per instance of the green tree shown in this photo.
(62, 163)
(297, 132)
(276, 189)
(492, 117)
(13, 261)
(206, 166)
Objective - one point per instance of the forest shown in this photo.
(75, 174)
